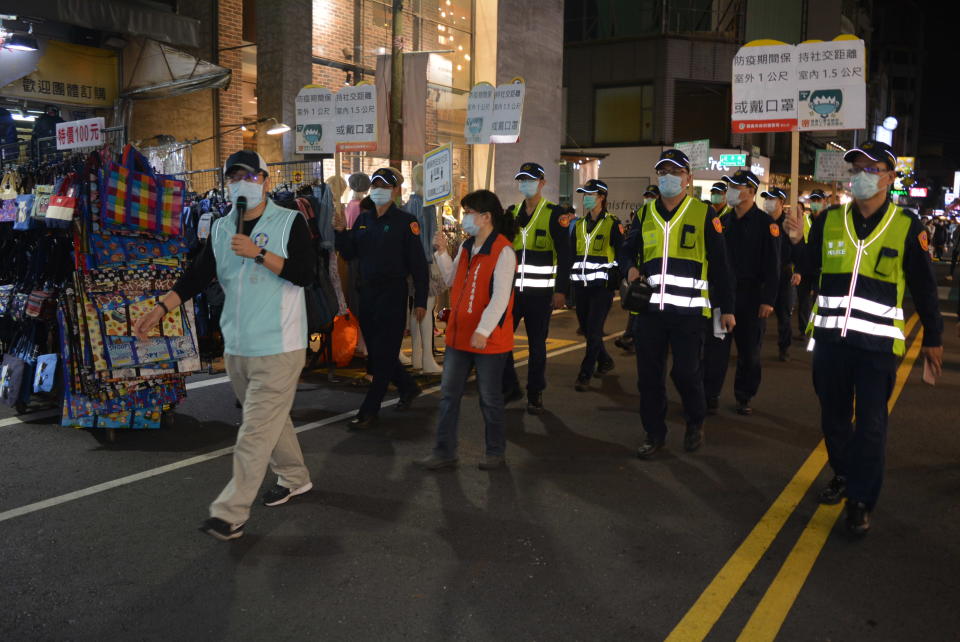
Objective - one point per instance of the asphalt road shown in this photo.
(577, 539)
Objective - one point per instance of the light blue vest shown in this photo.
(262, 313)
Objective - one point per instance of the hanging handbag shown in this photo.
(8, 210)
(40, 304)
(11, 379)
(23, 221)
(45, 376)
(635, 296)
(62, 203)
(41, 200)
(8, 187)
(135, 198)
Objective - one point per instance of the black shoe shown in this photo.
(221, 530)
(693, 439)
(649, 448)
(512, 395)
(603, 368)
(582, 384)
(834, 492)
(281, 494)
(535, 403)
(713, 405)
(624, 344)
(407, 398)
(858, 518)
(784, 355)
(361, 421)
(743, 407)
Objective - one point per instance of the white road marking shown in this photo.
(199, 459)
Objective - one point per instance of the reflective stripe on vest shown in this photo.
(675, 288)
(593, 266)
(862, 282)
(537, 274)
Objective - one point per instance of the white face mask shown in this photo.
(733, 196)
(528, 188)
(864, 186)
(253, 192)
(770, 206)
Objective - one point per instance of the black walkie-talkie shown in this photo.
(241, 207)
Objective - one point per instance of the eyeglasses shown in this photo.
(853, 171)
(675, 171)
(250, 177)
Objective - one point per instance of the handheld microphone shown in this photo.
(241, 207)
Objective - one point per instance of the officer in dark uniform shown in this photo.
(774, 199)
(806, 288)
(385, 241)
(677, 244)
(865, 255)
(718, 200)
(626, 340)
(753, 244)
(542, 244)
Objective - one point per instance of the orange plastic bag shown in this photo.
(346, 331)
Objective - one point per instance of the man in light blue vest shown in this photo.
(263, 270)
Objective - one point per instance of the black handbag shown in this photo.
(635, 296)
(320, 311)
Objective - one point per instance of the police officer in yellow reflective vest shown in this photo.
(806, 289)
(677, 244)
(866, 254)
(542, 244)
(597, 239)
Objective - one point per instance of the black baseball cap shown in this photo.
(674, 156)
(593, 186)
(775, 192)
(875, 151)
(248, 160)
(385, 175)
(652, 190)
(743, 177)
(530, 171)
(719, 187)
(817, 193)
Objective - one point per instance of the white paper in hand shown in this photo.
(718, 330)
(928, 376)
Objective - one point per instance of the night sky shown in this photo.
(940, 104)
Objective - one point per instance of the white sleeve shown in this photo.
(447, 266)
(503, 277)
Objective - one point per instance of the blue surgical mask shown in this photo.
(864, 186)
(816, 206)
(716, 198)
(670, 185)
(589, 201)
(253, 192)
(733, 196)
(381, 196)
(469, 225)
(528, 188)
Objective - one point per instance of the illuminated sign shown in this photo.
(918, 192)
(733, 160)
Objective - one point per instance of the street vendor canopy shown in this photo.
(155, 70)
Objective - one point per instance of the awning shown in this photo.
(157, 70)
(112, 15)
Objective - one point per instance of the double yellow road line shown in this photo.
(776, 603)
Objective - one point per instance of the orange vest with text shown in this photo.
(470, 294)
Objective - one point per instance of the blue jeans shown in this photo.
(456, 369)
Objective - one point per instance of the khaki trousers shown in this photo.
(266, 387)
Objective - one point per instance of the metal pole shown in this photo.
(490, 149)
(396, 87)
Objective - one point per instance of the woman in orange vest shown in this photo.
(480, 328)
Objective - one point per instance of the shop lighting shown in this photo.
(23, 117)
(21, 42)
(278, 128)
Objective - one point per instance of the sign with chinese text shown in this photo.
(314, 130)
(355, 118)
(830, 81)
(905, 167)
(507, 112)
(733, 160)
(764, 88)
(476, 129)
(830, 167)
(70, 75)
(74, 134)
(918, 192)
(698, 151)
(438, 175)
